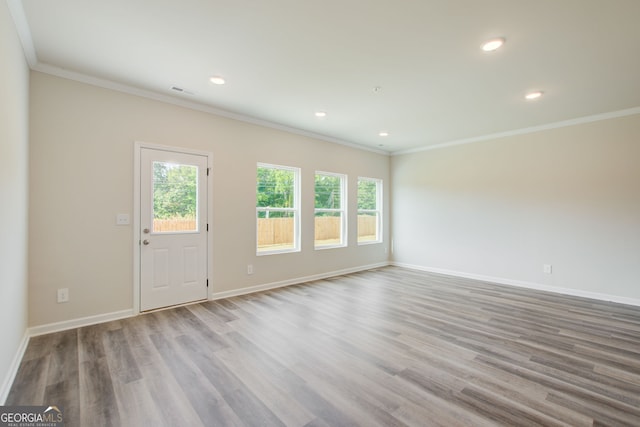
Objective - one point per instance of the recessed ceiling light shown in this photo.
(217, 80)
(533, 95)
(383, 133)
(321, 114)
(493, 44)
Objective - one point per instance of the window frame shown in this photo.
(377, 211)
(295, 210)
(342, 210)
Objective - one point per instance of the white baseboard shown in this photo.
(296, 281)
(106, 317)
(77, 323)
(524, 284)
(13, 369)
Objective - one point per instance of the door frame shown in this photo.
(138, 146)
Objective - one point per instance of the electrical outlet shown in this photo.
(250, 269)
(63, 295)
(546, 268)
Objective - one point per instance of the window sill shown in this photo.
(277, 252)
(373, 242)
(322, 248)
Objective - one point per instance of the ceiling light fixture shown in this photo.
(493, 44)
(383, 133)
(217, 80)
(321, 114)
(533, 95)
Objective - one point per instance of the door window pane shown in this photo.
(175, 200)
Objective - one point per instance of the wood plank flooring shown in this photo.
(386, 347)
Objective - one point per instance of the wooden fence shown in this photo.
(367, 227)
(279, 231)
(179, 224)
(275, 231)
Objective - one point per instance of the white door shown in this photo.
(173, 228)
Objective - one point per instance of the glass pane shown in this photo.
(328, 228)
(276, 231)
(367, 227)
(328, 192)
(367, 194)
(175, 200)
(275, 188)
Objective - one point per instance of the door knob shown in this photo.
(145, 242)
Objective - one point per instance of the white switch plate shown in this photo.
(250, 269)
(546, 268)
(63, 295)
(122, 219)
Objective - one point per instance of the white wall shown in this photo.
(501, 209)
(14, 101)
(82, 146)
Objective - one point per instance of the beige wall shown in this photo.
(501, 208)
(82, 146)
(569, 197)
(14, 89)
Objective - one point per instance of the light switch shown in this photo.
(122, 219)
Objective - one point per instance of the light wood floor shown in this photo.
(387, 347)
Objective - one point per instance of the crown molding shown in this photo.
(19, 17)
(131, 90)
(523, 131)
(24, 32)
(16, 10)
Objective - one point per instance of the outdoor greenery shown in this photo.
(367, 194)
(175, 196)
(174, 191)
(275, 188)
(328, 192)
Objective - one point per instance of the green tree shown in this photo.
(274, 188)
(367, 194)
(174, 191)
(327, 192)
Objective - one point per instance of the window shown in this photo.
(278, 209)
(330, 215)
(175, 197)
(369, 210)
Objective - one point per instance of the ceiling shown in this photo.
(283, 60)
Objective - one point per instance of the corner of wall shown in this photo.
(14, 167)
